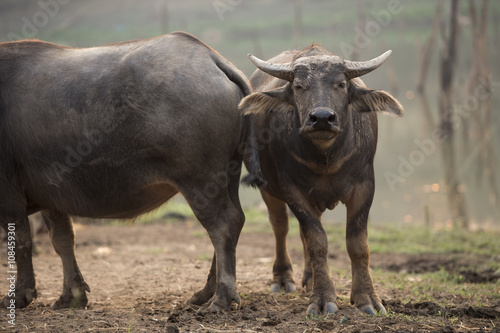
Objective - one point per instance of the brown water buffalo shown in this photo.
(316, 131)
(114, 132)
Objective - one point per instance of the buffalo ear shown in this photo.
(368, 100)
(262, 102)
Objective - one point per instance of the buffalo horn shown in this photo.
(359, 68)
(281, 71)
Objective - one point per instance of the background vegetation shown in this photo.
(267, 27)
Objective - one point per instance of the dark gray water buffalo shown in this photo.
(114, 132)
(316, 135)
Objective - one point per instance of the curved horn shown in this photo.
(358, 68)
(281, 71)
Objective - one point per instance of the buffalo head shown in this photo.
(320, 86)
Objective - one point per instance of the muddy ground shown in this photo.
(142, 275)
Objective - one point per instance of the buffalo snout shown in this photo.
(323, 119)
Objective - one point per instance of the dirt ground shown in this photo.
(142, 275)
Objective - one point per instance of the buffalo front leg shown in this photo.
(363, 294)
(282, 268)
(323, 298)
(307, 276)
(63, 239)
(19, 248)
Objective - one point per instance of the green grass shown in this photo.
(437, 287)
(411, 239)
(205, 256)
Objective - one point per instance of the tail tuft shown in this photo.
(254, 180)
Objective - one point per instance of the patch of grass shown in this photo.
(389, 238)
(400, 316)
(436, 287)
(317, 317)
(205, 256)
(415, 240)
(256, 221)
(199, 233)
(167, 213)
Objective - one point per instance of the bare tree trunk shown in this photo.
(496, 36)
(474, 76)
(481, 111)
(456, 197)
(425, 55)
(485, 72)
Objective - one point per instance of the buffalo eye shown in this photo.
(298, 86)
(342, 85)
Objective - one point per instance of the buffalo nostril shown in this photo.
(332, 118)
(323, 116)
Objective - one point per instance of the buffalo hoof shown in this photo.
(76, 299)
(221, 301)
(368, 309)
(216, 306)
(288, 287)
(212, 307)
(22, 299)
(316, 309)
(200, 298)
(374, 307)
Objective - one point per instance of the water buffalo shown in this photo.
(316, 135)
(114, 132)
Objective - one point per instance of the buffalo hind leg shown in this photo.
(363, 294)
(223, 222)
(224, 234)
(63, 239)
(21, 246)
(204, 295)
(282, 268)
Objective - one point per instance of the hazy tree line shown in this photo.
(464, 114)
